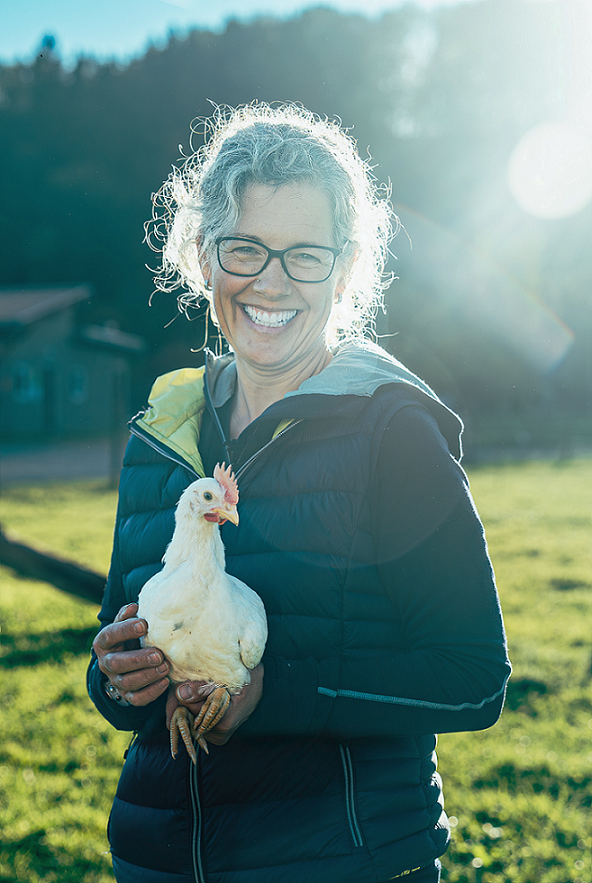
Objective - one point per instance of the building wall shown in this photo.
(53, 386)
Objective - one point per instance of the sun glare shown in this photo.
(550, 170)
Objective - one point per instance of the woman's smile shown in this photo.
(269, 319)
(272, 322)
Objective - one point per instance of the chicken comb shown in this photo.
(227, 481)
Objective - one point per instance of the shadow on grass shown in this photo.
(26, 650)
(520, 694)
(40, 856)
(32, 857)
(568, 585)
(539, 778)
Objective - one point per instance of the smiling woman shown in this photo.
(281, 179)
(356, 530)
(274, 323)
(202, 201)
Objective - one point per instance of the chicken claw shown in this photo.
(183, 722)
(212, 711)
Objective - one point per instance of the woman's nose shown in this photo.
(272, 281)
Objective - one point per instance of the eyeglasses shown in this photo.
(302, 263)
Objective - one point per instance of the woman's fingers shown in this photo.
(192, 691)
(118, 634)
(140, 677)
(124, 633)
(147, 694)
(120, 662)
(241, 705)
(126, 612)
(139, 673)
(131, 670)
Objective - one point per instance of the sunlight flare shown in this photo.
(550, 170)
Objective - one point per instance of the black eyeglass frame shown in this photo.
(274, 253)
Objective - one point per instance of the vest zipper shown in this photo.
(264, 448)
(225, 442)
(161, 448)
(198, 870)
(350, 797)
(176, 458)
(214, 413)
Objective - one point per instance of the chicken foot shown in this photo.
(190, 727)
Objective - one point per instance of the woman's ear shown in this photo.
(345, 276)
(204, 262)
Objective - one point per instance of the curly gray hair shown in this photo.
(279, 145)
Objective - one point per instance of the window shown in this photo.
(26, 384)
(77, 384)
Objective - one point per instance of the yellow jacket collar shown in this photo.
(174, 414)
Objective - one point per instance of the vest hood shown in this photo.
(177, 399)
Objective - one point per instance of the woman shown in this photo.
(356, 529)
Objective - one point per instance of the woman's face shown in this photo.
(269, 320)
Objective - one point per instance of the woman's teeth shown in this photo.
(271, 320)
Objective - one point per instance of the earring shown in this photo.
(339, 297)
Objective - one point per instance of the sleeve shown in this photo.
(127, 717)
(449, 670)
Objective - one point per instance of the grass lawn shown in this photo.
(519, 795)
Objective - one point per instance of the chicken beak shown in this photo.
(227, 513)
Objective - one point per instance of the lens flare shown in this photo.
(550, 170)
(472, 285)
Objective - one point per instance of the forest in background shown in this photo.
(491, 305)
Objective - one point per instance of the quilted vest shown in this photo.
(283, 807)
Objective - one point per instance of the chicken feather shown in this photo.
(210, 626)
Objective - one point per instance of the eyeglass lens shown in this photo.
(311, 263)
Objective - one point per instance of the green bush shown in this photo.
(519, 795)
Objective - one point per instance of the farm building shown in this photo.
(60, 378)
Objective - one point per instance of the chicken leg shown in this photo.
(190, 727)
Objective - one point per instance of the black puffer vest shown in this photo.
(292, 796)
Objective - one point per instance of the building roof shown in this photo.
(27, 305)
(112, 338)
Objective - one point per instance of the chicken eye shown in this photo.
(208, 496)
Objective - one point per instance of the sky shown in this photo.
(123, 28)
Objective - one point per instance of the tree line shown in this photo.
(439, 99)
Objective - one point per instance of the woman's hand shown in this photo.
(242, 705)
(136, 672)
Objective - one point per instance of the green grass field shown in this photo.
(519, 795)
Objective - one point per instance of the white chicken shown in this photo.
(210, 625)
